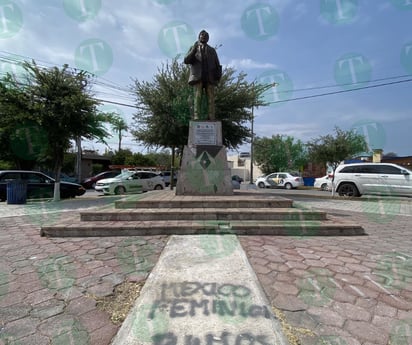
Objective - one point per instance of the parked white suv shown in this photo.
(373, 178)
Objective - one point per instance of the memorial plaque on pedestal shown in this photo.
(205, 133)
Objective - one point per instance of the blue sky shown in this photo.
(359, 52)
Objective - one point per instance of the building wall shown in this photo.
(241, 167)
(87, 164)
(403, 161)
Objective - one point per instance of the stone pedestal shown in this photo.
(204, 169)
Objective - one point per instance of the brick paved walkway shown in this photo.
(342, 290)
(47, 285)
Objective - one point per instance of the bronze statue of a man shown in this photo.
(205, 73)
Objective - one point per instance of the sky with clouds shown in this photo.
(345, 63)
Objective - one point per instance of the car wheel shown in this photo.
(288, 186)
(158, 187)
(119, 190)
(261, 185)
(348, 189)
(324, 187)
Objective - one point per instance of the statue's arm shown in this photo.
(190, 56)
(218, 67)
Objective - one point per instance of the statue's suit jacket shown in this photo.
(194, 59)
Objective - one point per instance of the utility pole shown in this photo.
(261, 90)
(251, 146)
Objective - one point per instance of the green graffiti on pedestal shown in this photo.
(205, 174)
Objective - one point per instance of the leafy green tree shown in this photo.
(390, 155)
(120, 157)
(5, 165)
(161, 159)
(333, 149)
(279, 153)
(59, 106)
(21, 140)
(165, 107)
(65, 107)
(118, 125)
(140, 160)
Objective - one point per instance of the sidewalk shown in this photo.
(338, 290)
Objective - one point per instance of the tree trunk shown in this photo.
(57, 171)
(172, 171)
(79, 159)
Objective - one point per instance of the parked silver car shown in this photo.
(373, 178)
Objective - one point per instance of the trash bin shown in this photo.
(309, 181)
(16, 192)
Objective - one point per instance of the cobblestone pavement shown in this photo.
(343, 290)
(49, 286)
(340, 290)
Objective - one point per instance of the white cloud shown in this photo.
(249, 63)
(305, 46)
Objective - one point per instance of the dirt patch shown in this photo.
(120, 302)
(293, 334)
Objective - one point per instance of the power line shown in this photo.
(105, 83)
(342, 85)
(17, 59)
(341, 91)
(122, 104)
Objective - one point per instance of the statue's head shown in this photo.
(203, 36)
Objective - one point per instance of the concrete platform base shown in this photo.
(163, 213)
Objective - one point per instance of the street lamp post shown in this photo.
(263, 89)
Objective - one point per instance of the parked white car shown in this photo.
(131, 182)
(373, 178)
(323, 183)
(280, 180)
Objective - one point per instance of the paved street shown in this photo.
(330, 290)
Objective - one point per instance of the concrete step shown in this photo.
(164, 213)
(170, 214)
(202, 291)
(332, 226)
(239, 201)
